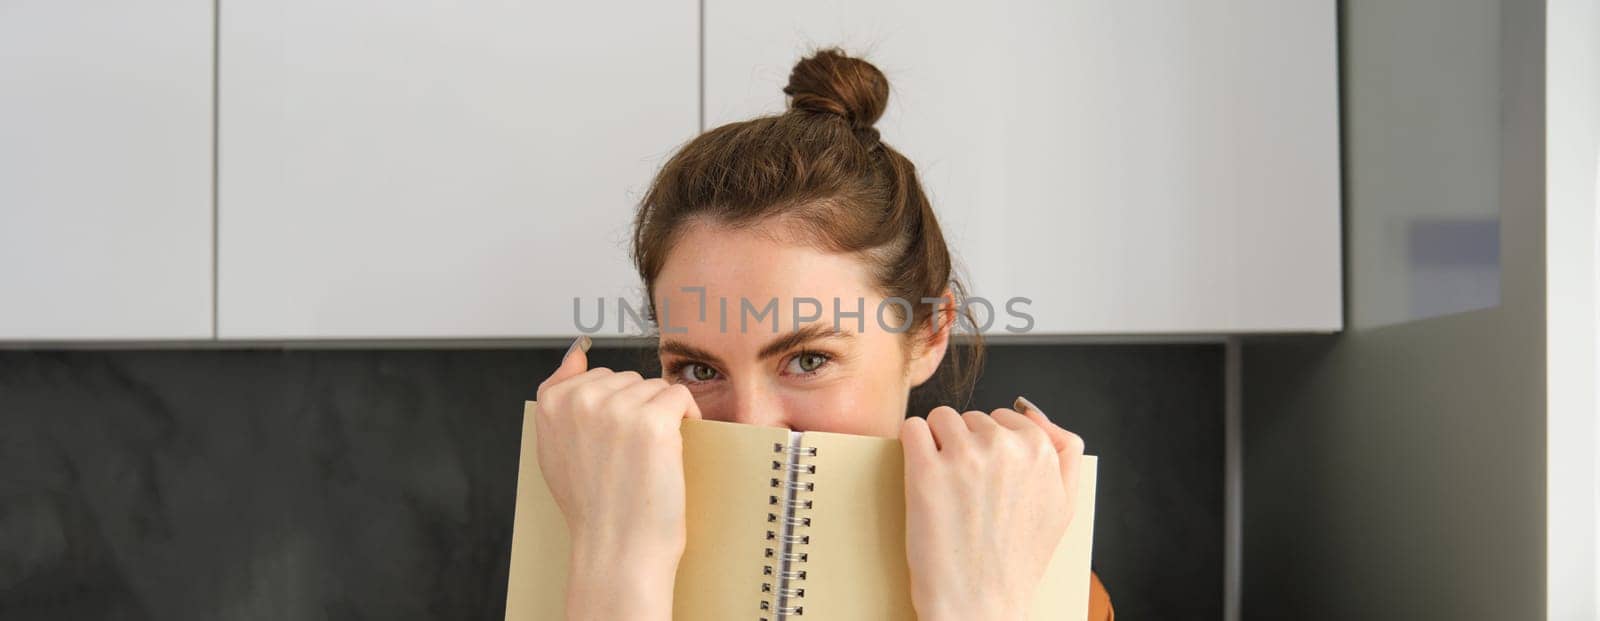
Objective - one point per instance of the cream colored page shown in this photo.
(728, 472)
(856, 560)
(537, 581)
(1064, 591)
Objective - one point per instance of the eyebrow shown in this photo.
(777, 346)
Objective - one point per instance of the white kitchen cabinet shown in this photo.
(1131, 166)
(411, 169)
(105, 170)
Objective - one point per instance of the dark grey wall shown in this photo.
(379, 484)
(1397, 471)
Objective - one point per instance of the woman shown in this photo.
(741, 226)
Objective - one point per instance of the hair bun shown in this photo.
(831, 82)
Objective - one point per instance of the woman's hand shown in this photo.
(988, 497)
(612, 456)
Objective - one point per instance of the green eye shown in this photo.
(808, 362)
(696, 372)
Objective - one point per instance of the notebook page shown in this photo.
(728, 470)
(536, 585)
(856, 559)
(1064, 591)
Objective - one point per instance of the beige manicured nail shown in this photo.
(582, 342)
(1022, 403)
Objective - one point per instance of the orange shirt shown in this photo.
(1099, 601)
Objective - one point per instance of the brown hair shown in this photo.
(821, 170)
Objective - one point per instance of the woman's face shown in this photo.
(754, 348)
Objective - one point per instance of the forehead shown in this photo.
(755, 265)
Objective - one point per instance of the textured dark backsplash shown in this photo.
(379, 484)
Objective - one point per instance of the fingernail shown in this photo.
(1022, 403)
(582, 342)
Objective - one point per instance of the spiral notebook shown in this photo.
(781, 525)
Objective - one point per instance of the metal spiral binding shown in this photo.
(781, 594)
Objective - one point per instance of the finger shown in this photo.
(571, 383)
(1068, 446)
(1064, 441)
(678, 398)
(640, 393)
(1015, 421)
(1060, 438)
(607, 386)
(917, 440)
(949, 430)
(979, 422)
(558, 392)
(575, 361)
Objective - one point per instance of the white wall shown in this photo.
(412, 169)
(105, 170)
(1130, 166)
(1572, 148)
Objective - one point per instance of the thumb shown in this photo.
(1069, 447)
(691, 409)
(576, 361)
(1059, 438)
(678, 398)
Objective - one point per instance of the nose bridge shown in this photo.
(756, 403)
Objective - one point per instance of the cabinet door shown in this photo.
(105, 170)
(410, 169)
(1130, 166)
